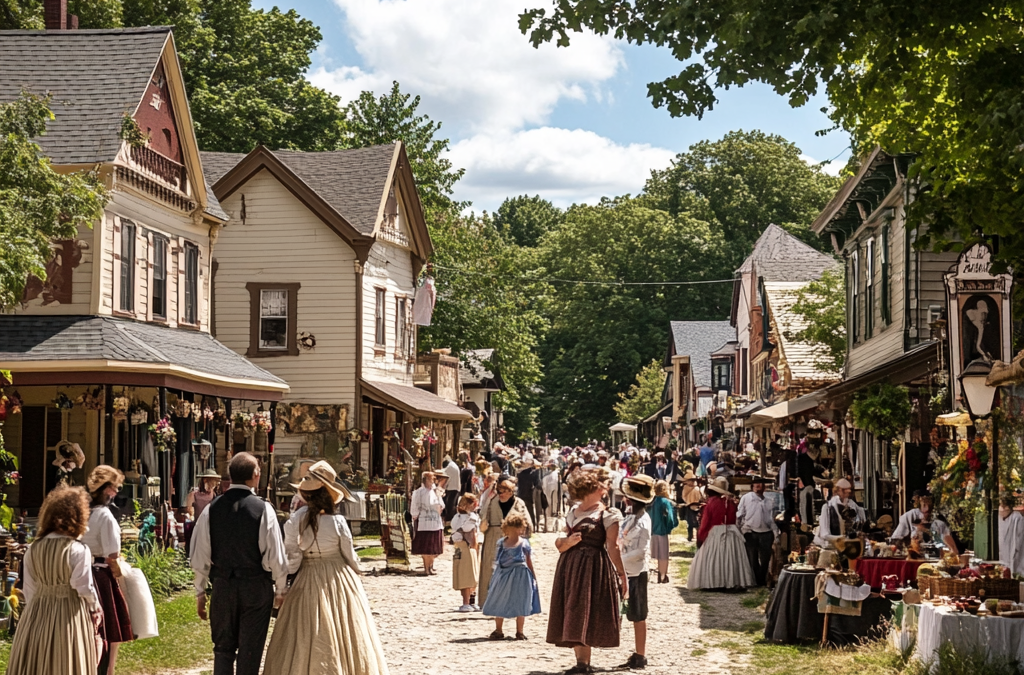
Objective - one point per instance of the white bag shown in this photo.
(141, 610)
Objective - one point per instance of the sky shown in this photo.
(570, 124)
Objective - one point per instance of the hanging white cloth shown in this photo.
(423, 305)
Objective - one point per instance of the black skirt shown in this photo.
(429, 542)
(117, 626)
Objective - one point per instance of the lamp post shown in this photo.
(980, 397)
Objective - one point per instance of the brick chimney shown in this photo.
(56, 15)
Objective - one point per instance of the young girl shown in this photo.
(513, 591)
(465, 526)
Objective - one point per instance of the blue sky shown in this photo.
(569, 124)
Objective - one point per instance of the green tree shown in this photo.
(392, 117)
(742, 183)
(37, 204)
(600, 336)
(822, 305)
(943, 82)
(644, 396)
(524, 219)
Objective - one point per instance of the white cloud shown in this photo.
(831, 167)
(562, 165)
(467, 59)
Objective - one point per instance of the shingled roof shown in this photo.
(779, 256)
(33, 338)
(475, 375)
(353, 182)
(95, 76)
(804, 359)
(698, 339)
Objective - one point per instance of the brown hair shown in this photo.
(465, 501)
(317, 501)
(65, 511)
(584, 482)
(513, 522)
(507, 485)
(661, 488)
(242, 468)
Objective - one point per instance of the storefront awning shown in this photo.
(748, 410)
(67, 350)
(658, 415)
(907, 367)
(789, 408)
(415, 401)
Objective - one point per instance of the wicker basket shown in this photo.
(1001, 589)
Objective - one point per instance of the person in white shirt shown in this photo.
(427, 524)
(551, 484)
(466, 559)
(755, 517)
(839, 515)
(922, 523)
(237, 544)
(453, 488)
(634, 546)
(1011, 535)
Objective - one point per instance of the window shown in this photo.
(869, 289)
(379, 338)
(401, 326)
(886, 301)
(159, 301)
(127, 270)
(273, 314)
(721, 376)
(855, 295)
(743, 371)
(191, 284)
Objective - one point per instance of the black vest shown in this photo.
(846, 513)
(235, 520)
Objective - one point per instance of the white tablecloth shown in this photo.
(998, 637)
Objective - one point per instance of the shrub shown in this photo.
(167, 571)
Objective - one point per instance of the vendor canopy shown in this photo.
(65, 350)
(622, 426)
(415, 401)
(788, 408)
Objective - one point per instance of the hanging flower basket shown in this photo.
(163, 435)
(120, 407)
(261, 421)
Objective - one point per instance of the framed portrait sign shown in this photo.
(978, 311)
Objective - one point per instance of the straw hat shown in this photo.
(639, 488)
(721, 486)
(102, 475)
(209, 474)
(689, 475)
(322, 475)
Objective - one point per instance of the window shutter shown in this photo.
(179, 280)
(115, 289)
(886, 300)
(142, 260)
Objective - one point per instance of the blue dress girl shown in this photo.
(512, 593)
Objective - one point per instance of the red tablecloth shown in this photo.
(871, 570)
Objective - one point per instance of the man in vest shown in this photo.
(840, 516)
(237, 545)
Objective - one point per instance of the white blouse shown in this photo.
(81, 573)
(332, 534)
(426, 510)
(104, 534)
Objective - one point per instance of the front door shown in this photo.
(32, 486)
(377, 455)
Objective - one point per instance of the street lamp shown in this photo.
(980, 397)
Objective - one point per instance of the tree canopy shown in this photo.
(644, 396)
(37, 204)
(943, 82)
(524, 219)
(822, 305)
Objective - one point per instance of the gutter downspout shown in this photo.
(358, 412)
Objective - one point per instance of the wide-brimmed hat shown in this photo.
(759, 479)
(527, 463)
(639, 488)
(689, 475)
(720, 485)
(323, 475)
(209, 473)
(102, 475)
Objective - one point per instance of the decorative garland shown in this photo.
(163, 434)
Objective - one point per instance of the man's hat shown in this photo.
(721, 486)
(639, 488)
(759, 479)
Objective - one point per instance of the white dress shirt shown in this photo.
(756, 514)
(81, 573)
(332, 534)
(1011, 542)
(825, 535)
(271, 547)
(426, 510)
(908, 526)
(635, 544)
(454, 477)
(103, 538)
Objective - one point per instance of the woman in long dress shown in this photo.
(490, 524)
(721, 561)
(325, 625)
(590, 579)
(57, 630)
(427, 525)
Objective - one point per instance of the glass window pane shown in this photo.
(274, 333)
(274, 303)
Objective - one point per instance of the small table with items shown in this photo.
(793, 615)
(874, 570)
(999, 637)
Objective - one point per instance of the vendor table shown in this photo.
(998, 637)
(793, 617)
(871, 570)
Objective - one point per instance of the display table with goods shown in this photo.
(888, 573)
(800, 604)
(999, 635)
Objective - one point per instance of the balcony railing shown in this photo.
(155, 166)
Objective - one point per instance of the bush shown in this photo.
(166, 571)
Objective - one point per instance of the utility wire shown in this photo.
(594, 283)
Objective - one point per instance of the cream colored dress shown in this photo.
(325, 625)
(55, 633)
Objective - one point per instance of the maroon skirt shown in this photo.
(429, 542)
(117, 626)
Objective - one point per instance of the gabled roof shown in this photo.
(779, 256)
(698, 339)
(475, 375)
(802, 357)
(345, 188)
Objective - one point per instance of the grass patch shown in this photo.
(752, 626)
(874, 657)
(755, 600)
(184, 640)
(698, 652)
(371, 552)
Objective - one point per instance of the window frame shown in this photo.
(380, 318)
(886, 299)
(255, 290)
(190, 294)
(401, 325)
(126, 272)
(158, 264)
(869, 288)
(855, 299)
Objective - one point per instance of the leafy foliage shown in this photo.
(526, 219)
(166, 570)
(883, 409)
(822, 304)
(37, 204)
(644, 397)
